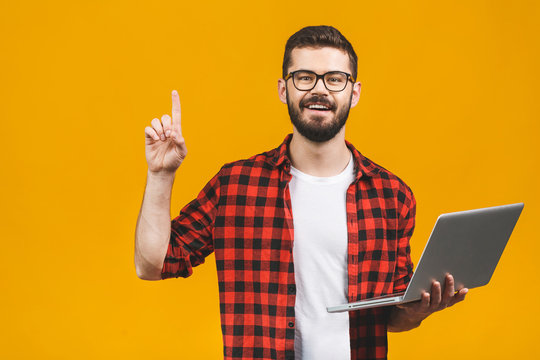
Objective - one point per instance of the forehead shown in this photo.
(319, 60)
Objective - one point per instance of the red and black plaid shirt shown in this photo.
(243, 215)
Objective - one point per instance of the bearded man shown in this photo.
(309, 224)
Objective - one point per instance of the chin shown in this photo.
(317, 128)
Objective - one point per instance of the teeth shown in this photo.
(316, 106)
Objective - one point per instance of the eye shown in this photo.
(304, 76)
(335, 78)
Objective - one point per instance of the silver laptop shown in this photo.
(467, 244)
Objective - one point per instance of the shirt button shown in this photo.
(291, 324)
(292, 289)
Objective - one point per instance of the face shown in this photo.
(311, 121)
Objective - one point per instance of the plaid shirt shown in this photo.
(244, 216)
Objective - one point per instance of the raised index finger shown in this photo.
(176, 124)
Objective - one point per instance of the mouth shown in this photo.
(319, 107)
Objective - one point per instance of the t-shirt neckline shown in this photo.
(349, 169)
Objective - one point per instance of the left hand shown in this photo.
(437, 300)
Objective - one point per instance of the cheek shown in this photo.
(294, 100)
(344, 100)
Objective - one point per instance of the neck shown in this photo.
(319, 159)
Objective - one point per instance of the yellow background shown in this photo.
(449, 103)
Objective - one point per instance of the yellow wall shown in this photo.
(449, 103)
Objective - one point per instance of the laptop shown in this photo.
(466, 244)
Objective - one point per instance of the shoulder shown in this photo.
(391, 183)
(240, 171)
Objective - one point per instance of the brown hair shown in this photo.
(317, 37)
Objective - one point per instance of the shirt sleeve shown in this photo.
(406, 223)
(191, 233)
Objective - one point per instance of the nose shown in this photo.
(319, 87)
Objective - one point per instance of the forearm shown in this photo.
(399, 320)
(153, 228)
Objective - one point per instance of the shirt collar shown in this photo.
(363, 166)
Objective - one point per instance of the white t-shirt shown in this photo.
(320, 263)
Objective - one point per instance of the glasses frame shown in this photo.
(291, 75)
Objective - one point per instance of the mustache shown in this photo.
(317, 99)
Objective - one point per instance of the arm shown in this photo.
(409, 316)
(165, 151)
(153, 226)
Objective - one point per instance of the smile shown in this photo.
(318, 106)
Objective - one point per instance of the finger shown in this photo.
(150, 133)
(435, 295)
(176, 111)
(156, 124)
(448, 290)
(460, 296)
(166, 122)
(425, 300)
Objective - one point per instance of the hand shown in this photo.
(428, 304)
(165, 145)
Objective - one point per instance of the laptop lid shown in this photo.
(467, 244)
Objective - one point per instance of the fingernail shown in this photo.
(168, 133)
(174, 92)
(162, 137)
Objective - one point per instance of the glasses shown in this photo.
(305, 80)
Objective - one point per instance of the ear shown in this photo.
(282, 90)
(355, 93)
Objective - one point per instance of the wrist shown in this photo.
(403, 320)
(161, 176)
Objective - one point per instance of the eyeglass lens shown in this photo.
(334, 81)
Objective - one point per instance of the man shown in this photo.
(310, 224)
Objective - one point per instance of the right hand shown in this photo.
(165, 145)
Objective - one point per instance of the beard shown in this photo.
(314, 129)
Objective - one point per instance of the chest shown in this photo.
(258, 222)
